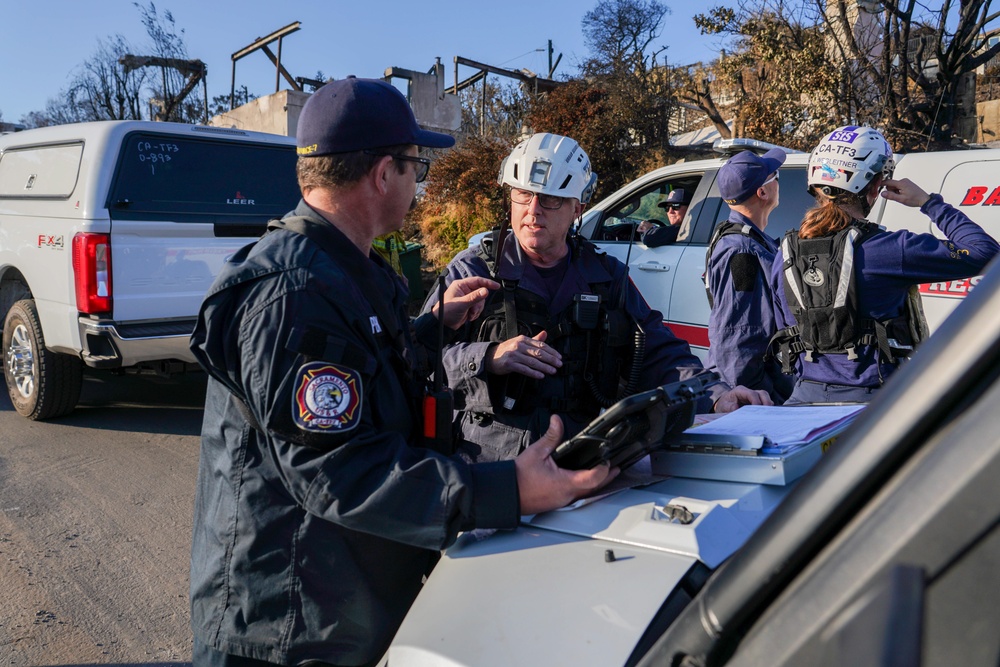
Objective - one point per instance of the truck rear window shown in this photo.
(168, 177)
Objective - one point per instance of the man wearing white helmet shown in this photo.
(567, 333)
(844, 289)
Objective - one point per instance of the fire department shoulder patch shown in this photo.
(327, 398)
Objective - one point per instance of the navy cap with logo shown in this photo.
(746, 171)
(360, 114)
(677, 197)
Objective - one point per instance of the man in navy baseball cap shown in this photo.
(653, 232)
(321, 502)
(740, 177)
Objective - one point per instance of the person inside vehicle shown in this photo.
(845, 291)
(653, 232)
(737, 276)
(319, 508)
(568, 333)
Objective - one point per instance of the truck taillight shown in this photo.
(92, 272)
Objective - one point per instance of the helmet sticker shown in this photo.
(828, 173)
(328, 398)
(843, 135)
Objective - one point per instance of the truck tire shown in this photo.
(42, 384)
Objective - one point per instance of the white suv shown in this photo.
(670, 277)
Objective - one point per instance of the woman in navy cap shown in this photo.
(845, 290)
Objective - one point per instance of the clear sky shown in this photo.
(44, 42)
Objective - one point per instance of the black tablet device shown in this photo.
(635, 426)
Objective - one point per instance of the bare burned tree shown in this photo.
(621, 35)
(903, 66)
(918, 83)
(103, 90)
(169, 91)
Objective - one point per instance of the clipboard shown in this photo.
(731, 464)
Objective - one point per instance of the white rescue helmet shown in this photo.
(849, 158)
(549, 164)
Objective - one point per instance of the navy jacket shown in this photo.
(311, 535)
(742, 319)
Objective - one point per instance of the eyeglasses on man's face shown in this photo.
(772, 177)
(422, 163)
(550, 202)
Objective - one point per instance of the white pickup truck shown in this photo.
(110, 235)
(670, 277)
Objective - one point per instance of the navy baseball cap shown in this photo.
(677, 197)
(746, 171)
(359, 114)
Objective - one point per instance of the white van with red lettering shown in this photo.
(670, 277)
(968, 180)
(110, 235)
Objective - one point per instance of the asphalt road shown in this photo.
(95, 526)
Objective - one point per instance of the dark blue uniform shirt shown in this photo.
(742, 318)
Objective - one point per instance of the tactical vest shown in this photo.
(724, 228)
(821, 289)
(599, 342)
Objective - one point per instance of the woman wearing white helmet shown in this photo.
(845, 291)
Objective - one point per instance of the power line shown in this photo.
(523, 55)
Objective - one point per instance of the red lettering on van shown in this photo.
(993, 199)
(955, 289)
(974, 196)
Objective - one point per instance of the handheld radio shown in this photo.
(438, 404)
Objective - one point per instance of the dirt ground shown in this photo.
(95, 527)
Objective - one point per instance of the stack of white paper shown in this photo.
(784, 428)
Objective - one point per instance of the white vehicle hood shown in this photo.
(500, 599)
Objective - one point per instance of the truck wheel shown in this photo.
(42, 384)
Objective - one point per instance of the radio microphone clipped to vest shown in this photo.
(438, 403)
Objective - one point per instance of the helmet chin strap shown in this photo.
(843, 198)
(866, 205)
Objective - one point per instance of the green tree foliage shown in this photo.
(462, 197)
(783, 81)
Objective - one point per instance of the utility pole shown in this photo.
(553, 65)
